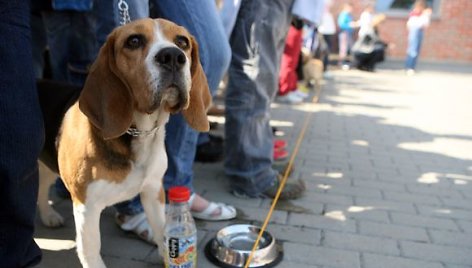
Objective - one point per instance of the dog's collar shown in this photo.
(132, 131)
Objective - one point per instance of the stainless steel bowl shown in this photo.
(232, 245)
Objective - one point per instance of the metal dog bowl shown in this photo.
(233, 244)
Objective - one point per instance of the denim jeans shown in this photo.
(108, 16)
(257, 43)
(415, 38)
(202, 20)
(21, 138)
(345, 43)
(228, 14)
(72, 44)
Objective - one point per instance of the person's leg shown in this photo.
(329, 43)
(108, 16)
(257, 43)
(58, 27)
(343, 46)
(414, 44)
(39, 41)
(21, 138)
(228, 14)
(202, 21)
(83, 47)
(288, 76)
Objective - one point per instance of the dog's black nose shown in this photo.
(171, 58)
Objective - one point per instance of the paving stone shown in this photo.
(218, 196)
(259, 214)
(354, 191)
(445, 212)
(465, 225)
(300, 205)
(457, 203)
(435, 191)
(322, 222)
(313, 255)
(412, 198)
(384, 204)
(300, 235)
(393, 231)
(457, 239)
(361, 243)
(123, 262)
(359, 213)
(452, 255)
(380, 185)
(456, 266)
(421, 221)
(117, 246)
(327, 198)
(376, 261)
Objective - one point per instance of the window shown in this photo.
(401, 8)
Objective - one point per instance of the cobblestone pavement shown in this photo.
(388, 164)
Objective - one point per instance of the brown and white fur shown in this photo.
(146, 70)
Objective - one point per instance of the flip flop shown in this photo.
(137, 224)
(227, 212)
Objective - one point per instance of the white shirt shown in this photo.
(365, 23)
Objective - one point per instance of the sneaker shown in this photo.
(293, 189)
(280, 144)
(281, 167)
(303, 95)
(290, 98)
(280, 155)
(410, 72)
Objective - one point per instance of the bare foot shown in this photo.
(199, 204)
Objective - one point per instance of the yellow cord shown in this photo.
(284, 180)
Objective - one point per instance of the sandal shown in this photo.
(227, 212)
(137, 224)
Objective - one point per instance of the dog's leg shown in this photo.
(153, 200)
(87, 226)
(48, 215)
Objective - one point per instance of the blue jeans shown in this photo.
(415, 38)
(108, 16)
(202, 20)
(21, 138)
(257, 43)
(72, 44)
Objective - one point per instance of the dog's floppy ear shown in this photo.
(200, 98)
(105, 100)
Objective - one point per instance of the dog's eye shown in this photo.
(135, 41)
(182, 42)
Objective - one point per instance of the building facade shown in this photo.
(449, 37)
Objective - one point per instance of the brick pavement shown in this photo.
(388, 165)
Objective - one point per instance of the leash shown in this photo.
(284, 179)
(124, 12)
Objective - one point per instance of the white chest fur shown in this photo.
(147, 169)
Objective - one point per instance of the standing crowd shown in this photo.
(258, 44)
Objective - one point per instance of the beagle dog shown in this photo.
(110, 145)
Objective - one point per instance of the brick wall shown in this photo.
(449, 36)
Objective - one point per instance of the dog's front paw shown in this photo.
(52, 219)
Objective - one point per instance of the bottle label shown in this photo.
(182, 252)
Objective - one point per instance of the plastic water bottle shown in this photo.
(180, 233)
